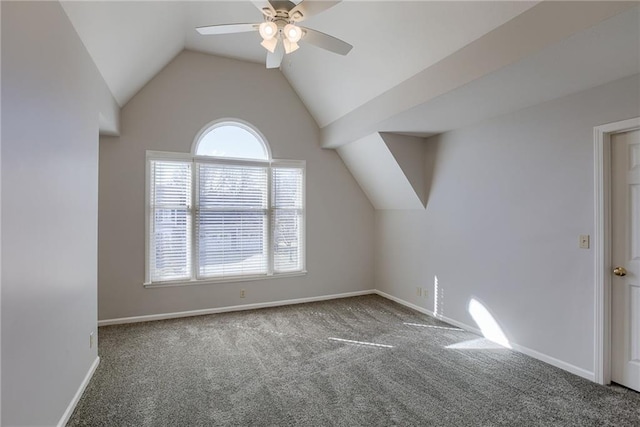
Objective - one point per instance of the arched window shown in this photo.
(226, 211)
(231, 139)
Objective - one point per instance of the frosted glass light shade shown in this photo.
(270, 44)
(289, 46)
(268, 30)
(292, 33)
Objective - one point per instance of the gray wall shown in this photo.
(52, 95)
(166, 115)
(508, 199)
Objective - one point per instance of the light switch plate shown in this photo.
(584, 241)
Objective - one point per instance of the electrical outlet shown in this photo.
(419, 292)
(425, 293)
(91, 340)
(241, 293)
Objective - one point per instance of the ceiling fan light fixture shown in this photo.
(270, 44)
(268, 30)
(289, 46)
(293, 33)
(279, 28)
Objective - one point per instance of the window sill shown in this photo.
(223, 280)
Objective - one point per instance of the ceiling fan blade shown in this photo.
(265, 7)
(275, 59)
(227, 29)
(325, 41)
(308, 8)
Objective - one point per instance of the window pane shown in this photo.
(287, 227)
(232, 186)
(287, 241)
(170, 240)
(171, 183)
(233, 141)
(171, 257)
(232, 243)
(287, 188)
(232, 220)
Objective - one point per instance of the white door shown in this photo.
(625, 257)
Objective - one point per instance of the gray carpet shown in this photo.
(315, 365)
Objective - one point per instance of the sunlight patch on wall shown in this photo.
(435, 296)
(487, 324)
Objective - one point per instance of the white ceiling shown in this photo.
(548, 51)
(131, 41)
(392, 42)
(605, 52)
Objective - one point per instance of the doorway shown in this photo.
(617, 253)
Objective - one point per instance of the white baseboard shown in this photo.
(517, 347)
(76, 398)
(429, 313)
(175, 315)
(555, 362)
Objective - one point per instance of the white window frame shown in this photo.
(189, 157)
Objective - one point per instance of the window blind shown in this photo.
(212, 220)
(287, 218)
(231, 220)
(170, 210)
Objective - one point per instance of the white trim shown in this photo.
(147, 214)
(232, 162)
(519, 348)
(602, 255)
(601, 243)
(194, 212)
(230, 279)
(429, 313)
(287, 163)
(168, 156)
(269, 240)
(576, 370)
(163, 316)
(76, 398)
(619, 127)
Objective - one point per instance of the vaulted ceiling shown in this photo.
(130, 41)
(417, 68)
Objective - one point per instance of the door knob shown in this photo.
(620, 271)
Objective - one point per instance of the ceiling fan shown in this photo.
(280, 32)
